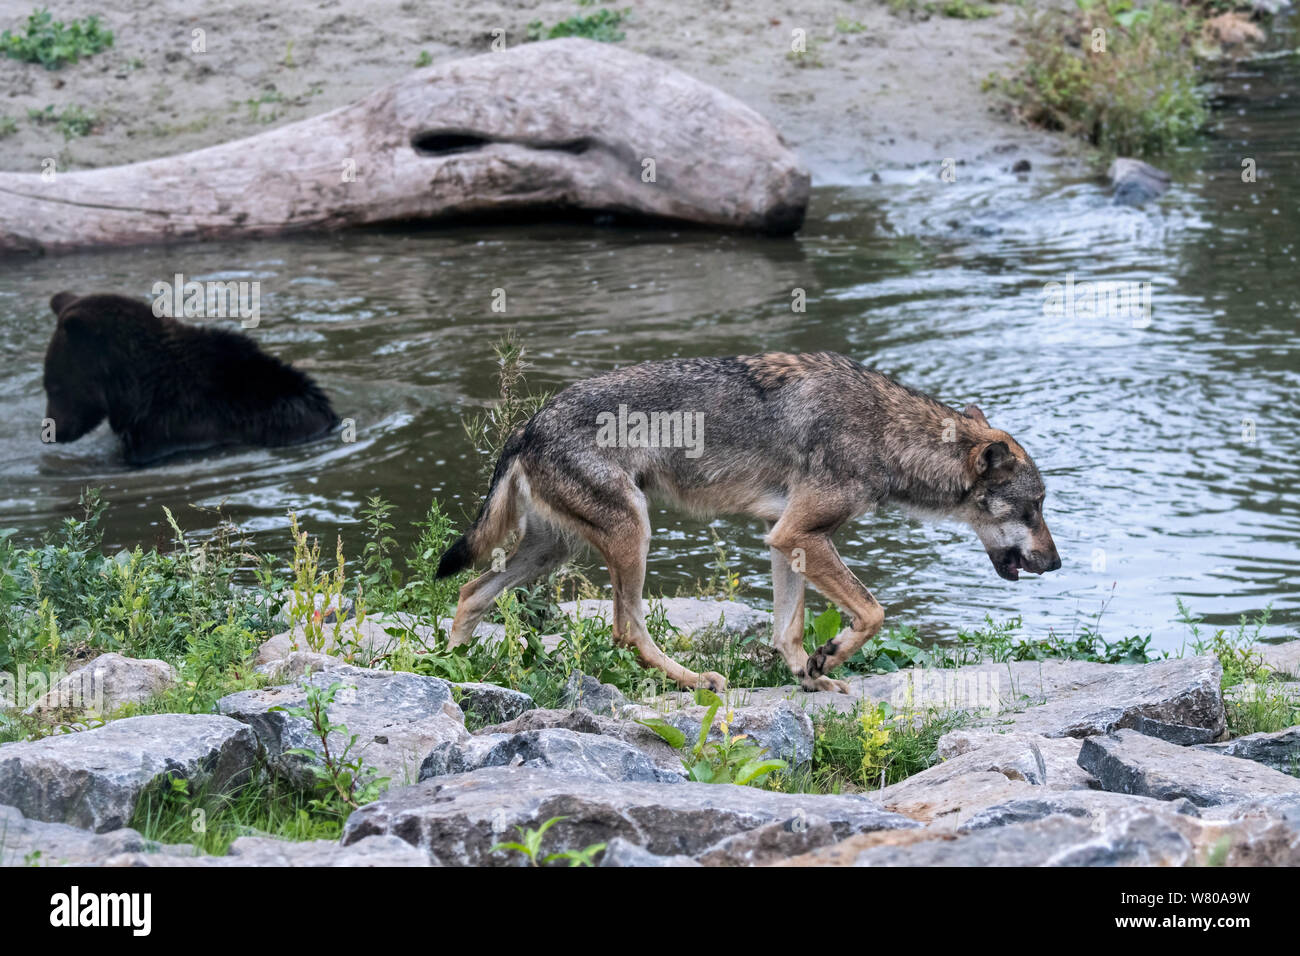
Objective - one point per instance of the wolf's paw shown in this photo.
(710, 680)
(812, 684)
(817, 661)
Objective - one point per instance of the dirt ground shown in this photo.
(876, 90)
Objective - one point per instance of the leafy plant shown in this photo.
(345, 779)
(603, 25)
(54, 44)
(1123, 77)
(73, 122)
(730, 760)
(874, 732)
(489, 430)
(530, 846)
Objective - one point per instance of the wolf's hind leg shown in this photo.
(787, 613)
(541, 550)
(624, 541)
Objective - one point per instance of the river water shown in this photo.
(1170, 444)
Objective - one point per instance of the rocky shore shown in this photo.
(1069, 763)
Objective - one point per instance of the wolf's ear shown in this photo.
(61, 300)
(973, 412)
(993, 461)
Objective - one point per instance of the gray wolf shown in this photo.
(804, 442)
(166, 386)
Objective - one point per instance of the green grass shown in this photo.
(73, 122)
(210, 822)
(54, 44)
(603, 25)
(955, 9)
(849, 756)
(8, 126)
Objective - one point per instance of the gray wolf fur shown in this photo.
(804, 442)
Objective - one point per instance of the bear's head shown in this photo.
(75, 399)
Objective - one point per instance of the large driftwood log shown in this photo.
(566, 124)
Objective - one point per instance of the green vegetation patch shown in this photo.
(603, 25)
(1121, 75)
(54, 44)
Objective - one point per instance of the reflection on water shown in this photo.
(1156, 486)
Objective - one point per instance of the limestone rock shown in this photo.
(1129, 762)
(590, 756)
(457, 819)
(107, 683)
(1136, 182)
(398, 719)
(1280, 750)
(94, 778)
(589, 693)
(266, 851)
(585, 722)
(491, 704)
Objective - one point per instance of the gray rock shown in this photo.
(769, 843)
(1129, 839)
(1283, 659)
(1136, 182)
(585, 722)
(1129, 762)
(1280, 750)
(587, 692)
(1087, 804)
(397, 717)
(1053, 698)
(94, 778)
(354, 643)
(983, 769)
(267, 851)
(491, 704)
(620, 852)
(107, 683)
(1283, 808)
(583, 755)
(1087, 828)
(457, 819)
(25, 842)
(297, 663)
(1178, 699)
(1051, 762)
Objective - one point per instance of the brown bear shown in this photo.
(166, 386)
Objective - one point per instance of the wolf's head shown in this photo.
(1005, 505)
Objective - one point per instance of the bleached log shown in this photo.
(561, 125)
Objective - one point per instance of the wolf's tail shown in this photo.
(496, 519)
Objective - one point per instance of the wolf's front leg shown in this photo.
(826, 571)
